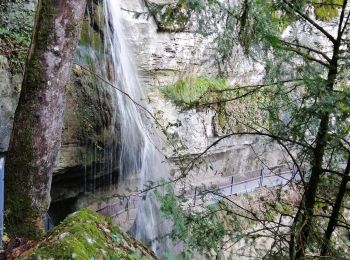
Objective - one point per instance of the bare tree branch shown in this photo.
(309, 20)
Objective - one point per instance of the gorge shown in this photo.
(170, 102)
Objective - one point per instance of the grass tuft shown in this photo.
(187, 92)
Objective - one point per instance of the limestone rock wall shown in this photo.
(16, 20)
(163, 57)
(88, 156)
(9, 93)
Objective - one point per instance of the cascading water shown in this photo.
(138, 160)
(135, 146)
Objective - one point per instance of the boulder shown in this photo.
(87, 235)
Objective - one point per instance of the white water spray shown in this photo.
(139, 160)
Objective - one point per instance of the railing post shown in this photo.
(195, 196)
(295, 170)
(261, 177)
(127, 209)
(2, 193)
(231, 185)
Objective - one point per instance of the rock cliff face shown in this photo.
(16, 19)
(163, 54)
(88, 159)
(10, 86)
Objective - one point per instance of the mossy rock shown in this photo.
(172, 17)
(16, 24)
(92, 31)
(88, 235)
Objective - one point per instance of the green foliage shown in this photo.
(174, 17)
(235, 106)
(15, 32)
(14, 46)
(187, 92)
(326, 10)
(189, 227)
(171, 17)
(210, 228)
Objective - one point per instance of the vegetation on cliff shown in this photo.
(16, 26)
(305, 86)
(189, 92)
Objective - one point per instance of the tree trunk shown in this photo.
(37, 127)
(308, 203)
(336, 210)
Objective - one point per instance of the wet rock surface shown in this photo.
(87, 158)
(9, 93)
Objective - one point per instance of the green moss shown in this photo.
(326, 10)
(282, 20)
(92, 31)
(88, 235)
(222, 117)
(90, 37)
(15, 32)
(20, 217)
(186, 93)
(170, 17)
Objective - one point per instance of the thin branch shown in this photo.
(341, 19)
(256, 86)
(306, 56)
(307, 48)
(336, 173)
(309, 20)
(346, 23)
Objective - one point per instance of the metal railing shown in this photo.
(265, 178)
(2, 195)
(227, 186)
(277, 175)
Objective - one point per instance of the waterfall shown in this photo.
(138, 159)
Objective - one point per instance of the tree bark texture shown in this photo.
(36, 135)
(336, 211)
(322, 140)
(308, 203)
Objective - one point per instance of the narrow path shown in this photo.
(226, 186)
